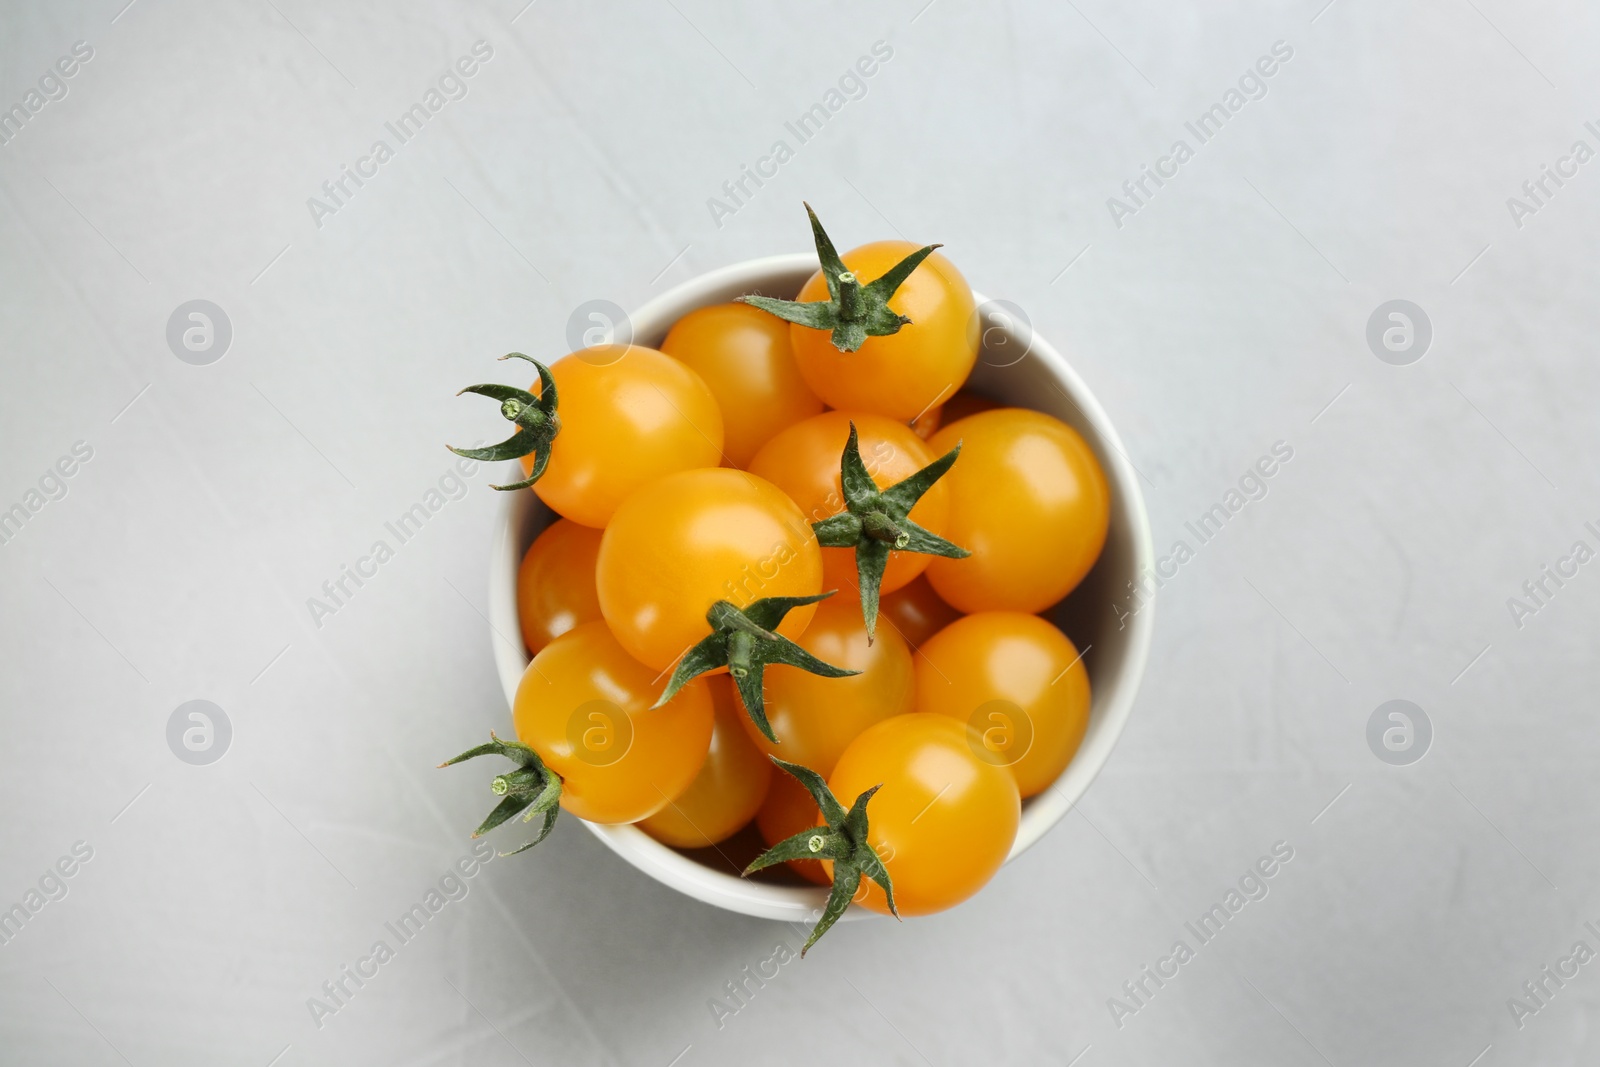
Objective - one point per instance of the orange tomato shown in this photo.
(944, 821)
(685, 541)
(584, 705)
(803, 461)
(555, 584)
(1029, 501)
(916, 613)
(629, 415)
(1019, 682)
(902, 374)
(744, 356)
(816, 718)
(787, 810)
(729, 789)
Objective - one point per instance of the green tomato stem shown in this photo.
(853, 312)
(741, 645)
(879, 526)
(520, 783)
(849, 296)
(534, 416)
(746, 642)
(531, 790)
(844, 839)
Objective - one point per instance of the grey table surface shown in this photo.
(1397, 151)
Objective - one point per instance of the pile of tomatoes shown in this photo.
(878, 705)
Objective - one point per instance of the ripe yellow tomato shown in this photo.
(729, 789)
(685, 541)
(555, 584)
(1029, 500)
(916, 613)
(943, 822)
(628, 416)
(925, 424)
(803, 461)
(787, 810)
(584, 706)
(743, 354)
(1019, 682)
(903, 374)
(816, 718)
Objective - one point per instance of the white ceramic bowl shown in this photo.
(1115, 648)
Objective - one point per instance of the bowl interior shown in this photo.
(1015, 367)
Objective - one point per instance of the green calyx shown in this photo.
(532, 787)
(843, 840)
(875, 522)
(744, 641)
(853, 311)
(535, 418)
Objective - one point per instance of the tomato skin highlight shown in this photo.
(944, 821)
(555, 583)
(629, 415)
(689, 539)
(787, 810)
(816, 718)
(916, 612)
(731, 786)
(1016, 679)
(1029, 501)
(582, 698)
(803, 461)
(745, 358)
(900, 375)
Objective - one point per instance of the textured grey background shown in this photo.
(1227, 314)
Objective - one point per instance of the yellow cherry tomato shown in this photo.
(685, 541)
(915, 612)
(816, 718)
(902, 374)
(555, 584)
(943, 822)
(585, 706)
(743, 354)
(1029, 501)
(787, 810)
(1019, 682)
(628, 416)
(803, 461)
(729, 789)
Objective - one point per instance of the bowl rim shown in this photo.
(797, 903)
